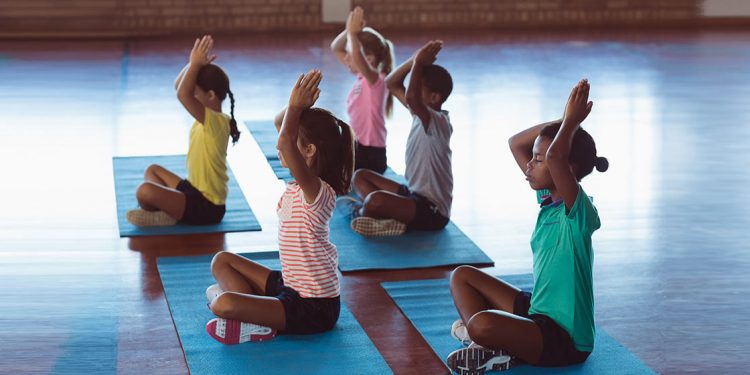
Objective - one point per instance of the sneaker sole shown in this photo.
(372, 227)
(474, 361)
(232, 333)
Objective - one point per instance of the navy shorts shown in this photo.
(558, 348)
(427, 217)
(198, 209)
(303, 315)
(372, 158)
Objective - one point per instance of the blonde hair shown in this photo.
(373, 43)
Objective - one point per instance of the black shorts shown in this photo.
(303, 315)
(372, 158)
(427, 217)
(198, 209)
(558, 348)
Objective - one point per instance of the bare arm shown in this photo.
(395, 81)
(304, 94)
(354, 26)
(338, 47)
(522, 143)
(558, 154)
(199, 57)
(425, 56)
(178, 80)
(279, 119)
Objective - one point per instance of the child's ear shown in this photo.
(371, 60)
(435, 98)
(310, 150)
(211, 95)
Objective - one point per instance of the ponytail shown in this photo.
(334, 141)
(233, 131)
(601, 164)
(389, 59)
(347, 156)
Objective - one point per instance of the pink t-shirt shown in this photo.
(366, 108)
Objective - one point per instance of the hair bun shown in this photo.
(601, 164)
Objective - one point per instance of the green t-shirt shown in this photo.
(563, 258)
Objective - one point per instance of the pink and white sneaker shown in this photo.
(231, 332)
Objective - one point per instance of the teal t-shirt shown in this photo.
(563, 259)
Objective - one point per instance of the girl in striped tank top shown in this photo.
(252, 302)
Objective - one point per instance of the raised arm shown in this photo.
(522, 143)
(279, 119)
(354, 25)
(558, 153)
(338, 47)
(425, 56)
(199, 56)
(178, 80)
(304, 94)
(395, 80)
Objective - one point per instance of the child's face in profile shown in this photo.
(536, 169)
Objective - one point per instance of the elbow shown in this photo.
(284, 142)
(412, 99)
(555, 156)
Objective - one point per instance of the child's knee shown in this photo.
(480, 327)
(220, 259)
(223, 305)
(360, 175)
(145, 192)
(461, 273)
(376, 201)
(152, 170)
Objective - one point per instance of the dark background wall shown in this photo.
(62, 18)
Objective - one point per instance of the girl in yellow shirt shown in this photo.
(164, 197)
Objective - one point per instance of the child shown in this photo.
(424, 203)
(370, 56)
(252, 302)
(555, 325)
(164, 197)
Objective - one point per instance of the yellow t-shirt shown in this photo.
(207, 156)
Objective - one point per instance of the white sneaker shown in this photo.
(142, 218)
(230, 331)
(476, 360)
(368, 226)
(212, 292)
(460, 332)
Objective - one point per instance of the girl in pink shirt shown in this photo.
(370, 56)
(253, 302)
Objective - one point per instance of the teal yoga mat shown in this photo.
(345, 349)
(128, 172)
(446, 247)
(429, 306)
(266, 135)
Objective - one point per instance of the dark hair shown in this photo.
(437, 79)
(334, 142)
(212, 78)
(375, 44)
(582, 151)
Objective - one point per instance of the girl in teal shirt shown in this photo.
(554, 326)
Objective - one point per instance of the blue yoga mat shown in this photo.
(128, 173)
(345, 349)
(266, 135)
(429, 306)
(446, 247)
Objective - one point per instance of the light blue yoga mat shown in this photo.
(128, 173)
(266, 135)
(429, 306)
(344, 350)
(425, 249)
